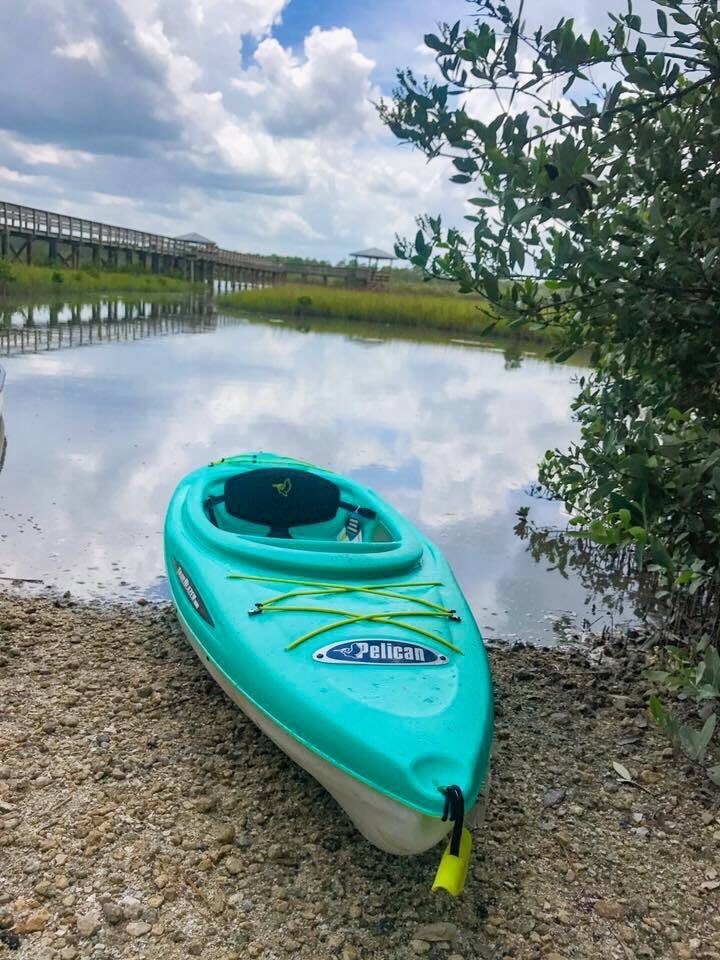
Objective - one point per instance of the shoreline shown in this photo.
(141, 815)
(451, 314)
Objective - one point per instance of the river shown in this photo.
(108, 406)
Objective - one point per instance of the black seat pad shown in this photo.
(281, 498)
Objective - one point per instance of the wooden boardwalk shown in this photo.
(28, 235)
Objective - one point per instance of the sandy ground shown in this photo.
(141, 816)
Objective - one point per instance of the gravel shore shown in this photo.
(141, 816)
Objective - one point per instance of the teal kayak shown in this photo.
(340, 630)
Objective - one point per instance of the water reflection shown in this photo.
(450, 434)
(53, 326)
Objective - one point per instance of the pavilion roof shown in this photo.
(374, 253)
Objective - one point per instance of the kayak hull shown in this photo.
(387, 824)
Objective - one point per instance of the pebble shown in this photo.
(154, 806)
(112, 912)
(435, 932)
(554, 797)
(420, 947)
(225, 833)
(33, 922)
(130, 907)
(610, 910)
(88, 923)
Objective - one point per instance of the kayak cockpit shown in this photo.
(270, 503)
(286, 515)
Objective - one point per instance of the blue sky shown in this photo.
(250, 121)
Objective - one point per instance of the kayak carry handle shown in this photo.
(453, 868)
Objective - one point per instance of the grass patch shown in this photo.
(21, 278)
(410, 309)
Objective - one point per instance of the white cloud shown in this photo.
(13, 176)
(330, 89)
(48, 154)
(88, 49)
(286, 155)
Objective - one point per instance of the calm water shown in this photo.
(98, 436)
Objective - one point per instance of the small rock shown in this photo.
(131, 908)
(225, 833)
(138, 928)
(233, 866)
(554, 798)
(610, 910)
(33, 922)
(87, 923)
(217, 903)
(112, 912)
(710, 885)
(620, 702)
(436, 932)
(350, 953)
(419, 947)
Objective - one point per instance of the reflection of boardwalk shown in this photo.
(38, 329)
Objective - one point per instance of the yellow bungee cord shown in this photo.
(324, 589)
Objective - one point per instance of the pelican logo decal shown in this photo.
(283, 488)
(380, 652)
(192, 594)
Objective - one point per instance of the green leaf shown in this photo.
(695, 742)
(662, 22)
(435, 43)
(482, 202)
(492, 287)
(527, 213)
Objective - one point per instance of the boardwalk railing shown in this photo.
(28, 224)
(59, 226)
(43, 224)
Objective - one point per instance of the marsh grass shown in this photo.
(449, 312)
(21, 278)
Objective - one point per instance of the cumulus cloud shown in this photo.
(282, 151)
(328, 89)
(151, 104)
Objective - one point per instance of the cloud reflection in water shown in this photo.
(447, 433)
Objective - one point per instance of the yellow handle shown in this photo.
(452, 871)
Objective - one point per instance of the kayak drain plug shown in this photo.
(453, 868)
